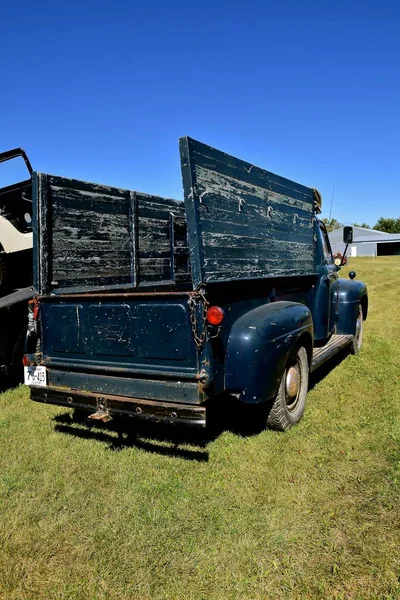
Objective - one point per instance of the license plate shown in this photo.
(35, 375)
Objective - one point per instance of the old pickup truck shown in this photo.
(152, 308)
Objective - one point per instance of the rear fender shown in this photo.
(351, 294)
(258, 347)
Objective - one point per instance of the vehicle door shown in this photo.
(328, 281)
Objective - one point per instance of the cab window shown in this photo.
(326, 247)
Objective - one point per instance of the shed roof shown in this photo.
(362, 234)
(390, 237)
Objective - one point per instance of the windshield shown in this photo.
(13, 168)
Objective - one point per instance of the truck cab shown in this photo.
(152, 308)
(334, 293)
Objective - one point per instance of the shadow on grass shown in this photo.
(120, 433)
(224, 414)
(165, 439)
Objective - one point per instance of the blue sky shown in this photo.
(311, 90)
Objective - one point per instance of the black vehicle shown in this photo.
(152, 308)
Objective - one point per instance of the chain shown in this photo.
(194, 301)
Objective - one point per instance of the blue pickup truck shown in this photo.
(151, 308)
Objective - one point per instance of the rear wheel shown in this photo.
(290, 402)
(358, 337)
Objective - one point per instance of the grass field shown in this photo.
(313, 513)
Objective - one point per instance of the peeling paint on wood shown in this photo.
(93, 236)
(243, 222)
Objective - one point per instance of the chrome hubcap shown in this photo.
(292, 383)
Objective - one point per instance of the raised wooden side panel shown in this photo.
(243, 221)
(98, 236)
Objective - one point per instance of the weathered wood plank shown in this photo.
(242, 231)
(76, 198)
(91, 226)
(261, 239)
(254, 265)
(85, 186)
(70, 242)
(167, 202)
(279, 251)
(158, 208)
(253, 226)
(224, 276)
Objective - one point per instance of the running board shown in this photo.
(336, 343)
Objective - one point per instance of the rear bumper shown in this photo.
(139, 408)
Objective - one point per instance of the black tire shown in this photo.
(356, 344)
(290, 401)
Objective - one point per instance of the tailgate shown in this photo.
(138, 334)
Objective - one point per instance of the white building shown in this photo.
(366, 242)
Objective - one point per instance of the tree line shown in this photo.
(386, 224)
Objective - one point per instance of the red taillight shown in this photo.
(215, 315)
(34, 308)
(25, 360)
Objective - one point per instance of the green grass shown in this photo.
(313, 513)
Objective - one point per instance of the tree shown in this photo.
(388, 225)
(364, 225)
(331, 224)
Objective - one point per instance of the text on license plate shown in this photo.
(35, 375)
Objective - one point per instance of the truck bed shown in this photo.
(238, 222)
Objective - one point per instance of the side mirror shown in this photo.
(347, 235)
